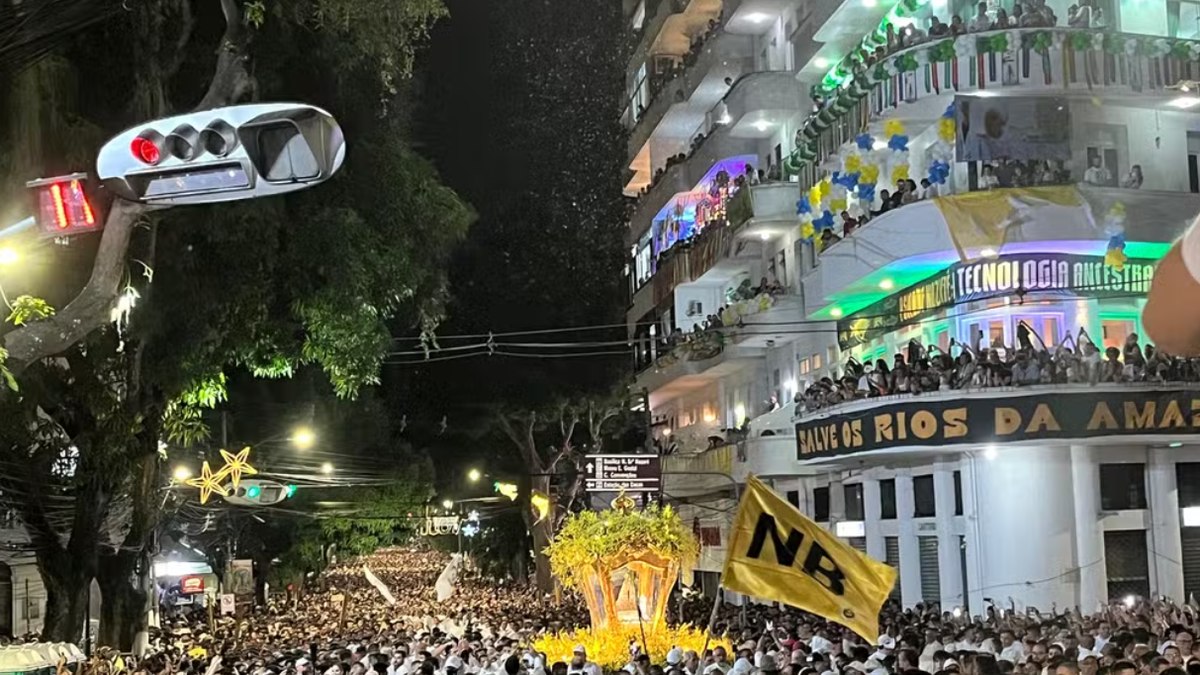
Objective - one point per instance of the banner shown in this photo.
(448, 579)
(379, 585)
(241, 577)
(1039, 415)
(1012, 127)
(980, 220)
(1037, 274)
(191, 584)
(777, 554)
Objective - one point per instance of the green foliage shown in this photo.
(255, 13)
(5, 373)
(589, 537)
(27, 308)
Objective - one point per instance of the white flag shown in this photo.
(447, 580)
(379, 585)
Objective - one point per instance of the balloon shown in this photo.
(866, 193)
(893, 127)
(824, 187)
(803, 206)
(825, 222)
(849, 180)
(899, 142)
(853, 163)
(1115, 258)
(838, 205)
(946, 129)
(1116, 241)
(949, 112)
(814, 195)
(807, 231)
(869, 174)
(864, 141)
(900, 173)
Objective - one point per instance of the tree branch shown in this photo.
(187, 23)
(526, 445)
(231, 80)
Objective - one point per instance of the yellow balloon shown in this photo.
(1115, 258)
(807, 231)
(869, 174)
(853, 164)
(900, 173)
(814, 196)
(837, 205)
(893, 128)
(946, 129)
(825, 187)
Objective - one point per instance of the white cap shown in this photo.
(675, 656)
(454, 662)
(887, 642)
(579, 649)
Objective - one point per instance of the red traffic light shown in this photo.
(63, 207)
(145, 150)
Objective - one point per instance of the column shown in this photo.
(910, 557)
(1089, 537)
(974, 536)
(837, 501)
(1025, 508)
(949, 563)
(1166, 547)
(875, 547)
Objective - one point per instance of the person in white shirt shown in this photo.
(580, 665)
(1097, 173)
(932, 646)
(980, 22)
(1011, 649)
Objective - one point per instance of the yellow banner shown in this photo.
(776, 553)
(980, 220)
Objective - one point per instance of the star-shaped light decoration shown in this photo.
(237, 465)
(209, 482)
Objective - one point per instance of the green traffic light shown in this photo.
(253, 492)
(291, 490)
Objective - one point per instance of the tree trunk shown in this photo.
(67, 585)
(123, 600)
(542, 533)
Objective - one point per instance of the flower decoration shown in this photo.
(1041, 41)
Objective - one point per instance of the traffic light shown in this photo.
(62, 207)
(254, 492)
(291, 492)
(224, 154)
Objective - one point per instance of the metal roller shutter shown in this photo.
(931, 580)
(891, 556)
(1190, 538)
(1126, 563)
(859, 543)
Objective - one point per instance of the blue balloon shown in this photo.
(1116, 241)
(849, 180)
(866, 192)
(864, 141)
(803, 206)
(825, 222)
(898, 142)
(939, 171)
(949, 112)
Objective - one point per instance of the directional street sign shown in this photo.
(631, 473)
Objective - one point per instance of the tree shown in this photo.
(552, 447)
(270, 287)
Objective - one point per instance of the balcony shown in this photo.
(679, 106)
(765, 203)
(683, 370)
(906, 245)
(754, 107)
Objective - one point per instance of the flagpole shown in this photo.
(712, 620)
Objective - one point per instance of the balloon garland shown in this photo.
(1114, 226)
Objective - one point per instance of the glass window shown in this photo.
(804, 366)
(1183, 19)
(821, 504)
(1187, 477)
(924, 505)
(854, 501)
(1122, 486)
(887, 499)
(1114, 331)
(816, 361)
(793, 497)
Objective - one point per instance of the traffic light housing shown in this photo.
(254, 492)
(62, 206)
(224, 154)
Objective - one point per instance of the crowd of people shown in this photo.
(344, 626)
(1076, 360)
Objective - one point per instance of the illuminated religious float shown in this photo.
(624, 563)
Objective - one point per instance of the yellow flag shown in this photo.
(776, 553)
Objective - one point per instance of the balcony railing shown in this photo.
(1045, 59)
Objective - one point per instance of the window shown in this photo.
(1122, 487)
(821, 504)
(816, 361)
(931, 578)
(924, 505)
(804, 366)
(887, 499)
(1187, 477)
(833, 354)
(958, 502)
(1126, 563)
(793, 497)
(854, 501)
(1114, 332)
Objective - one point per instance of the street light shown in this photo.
(181, 473)
(303, 438)
(474, 475)
(8, 256)
(447, 504)
(327, 468)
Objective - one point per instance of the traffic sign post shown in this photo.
(629, 473)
